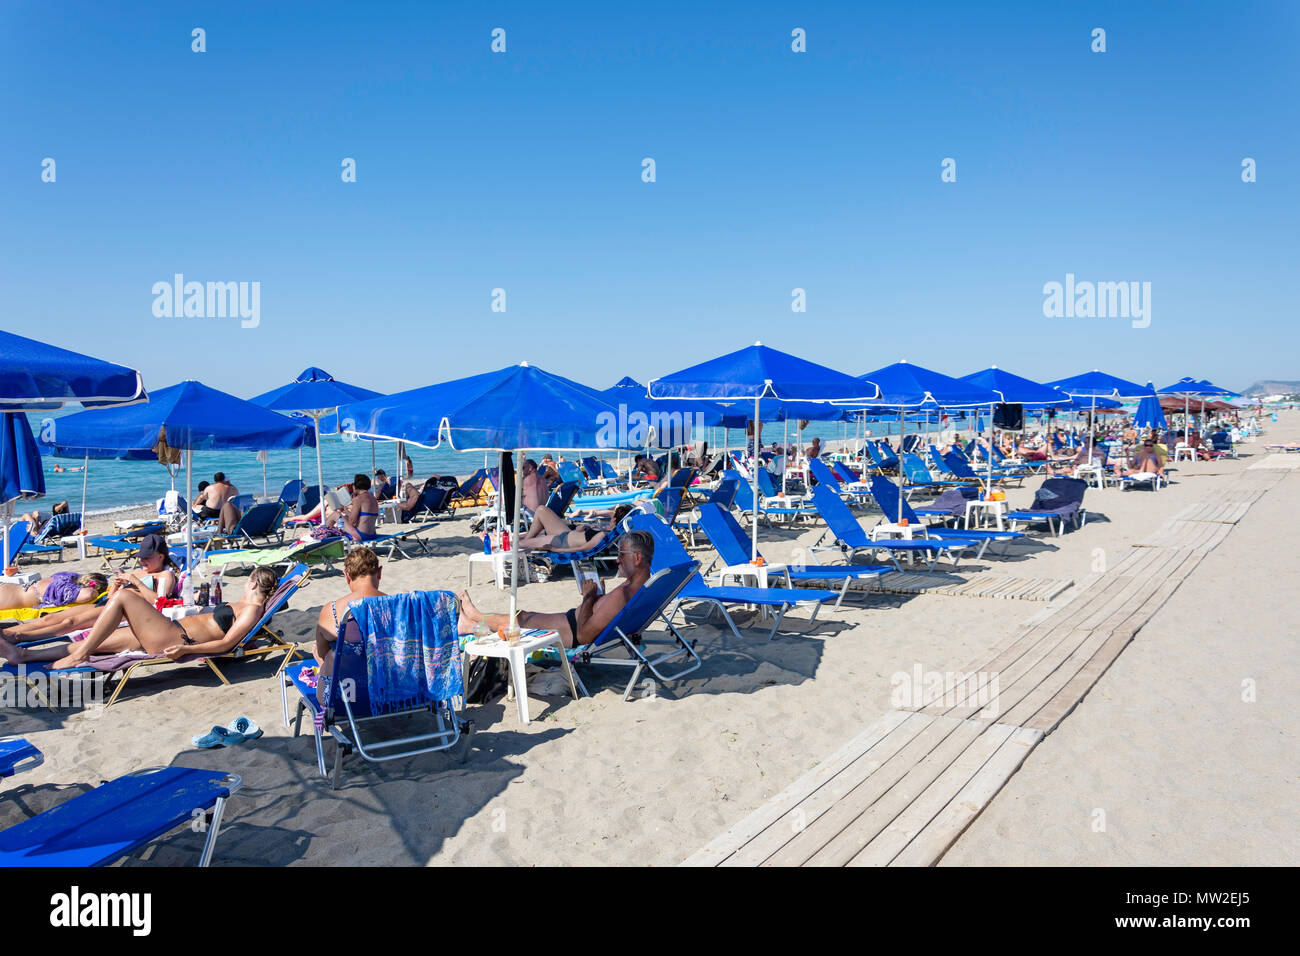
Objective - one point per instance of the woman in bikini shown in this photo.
(63, 587)
(361, 573)
(550, 532)
(150, 630)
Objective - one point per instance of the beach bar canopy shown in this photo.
(176, 421)
(752, 374)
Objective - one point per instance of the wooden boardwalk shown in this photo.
(988, 585)
(901, 792)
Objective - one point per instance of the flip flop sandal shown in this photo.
(217, 737)
(245, 728)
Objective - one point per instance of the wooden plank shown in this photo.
(722, 846)
(1069, 697)
(796, 819)
(884, 794)
(928, 846)
(1014, 685)
(888, 843)
(1021, 703)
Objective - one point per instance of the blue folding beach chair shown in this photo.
(670, 553)
(121, 816)
(260, 521)
(18, 756)
(625, 632)
(20, 543)
(1059, 499)
(401, 658)
(291, 491)
(745, 502)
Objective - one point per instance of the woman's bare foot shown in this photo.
(10, 653)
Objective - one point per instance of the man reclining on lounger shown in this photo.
(1143, 462)
(550, 532)
(583, 624)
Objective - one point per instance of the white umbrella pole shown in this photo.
(85, 473)
(898, 457)
(514, 543)
(300, 462)
(990, 484)
(320, 469)
(753, 480)
(8, 514)
(187, 593)
(785, 447)
(264, 492)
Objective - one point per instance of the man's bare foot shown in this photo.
(467, 607)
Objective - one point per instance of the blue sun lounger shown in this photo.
(17, 756)
(119, 817)
(745, 502)
(822, 473)
(427, 621)
(20, 543)
(670, 553)
(733, 547)
(887, 497)
(259, 641)
(1059, 499)
(852, 539)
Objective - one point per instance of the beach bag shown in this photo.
(486, 680)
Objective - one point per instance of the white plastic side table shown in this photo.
(500, 566)
(998, 509)
(517, 658)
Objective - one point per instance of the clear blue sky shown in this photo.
(775, 170)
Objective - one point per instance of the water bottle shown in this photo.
(487, 543)
(216, 587)
(505, 540)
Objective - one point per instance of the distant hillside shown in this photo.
(1271, 386)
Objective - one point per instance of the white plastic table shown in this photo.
(517, 658)
(24, 579)
(979, 510)
(500, 561)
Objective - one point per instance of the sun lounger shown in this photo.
(1059, 499)
(895, 508)
(18, 756)
(724, 496)
(21, 545)
(919, 476)
(408, 639)
(734, 547)
(670, 553)
(856, 491)
(852, 539)
(262, 521)
(119, 817)
(259, 641)
(745, 502)
(959, 467)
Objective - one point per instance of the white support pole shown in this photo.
(514, 543)
(753, 480)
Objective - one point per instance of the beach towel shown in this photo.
(412, 652)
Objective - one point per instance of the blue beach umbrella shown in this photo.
(518, 409)
(316, 394)
(906, 386)
(1096, 385)
(1149, 414)
(754, 373)
(34, 375)
(176, 421)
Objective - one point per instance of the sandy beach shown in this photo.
(1185, 770)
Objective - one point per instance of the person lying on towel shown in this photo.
(148, 629)
(60, 588)
(586, 622)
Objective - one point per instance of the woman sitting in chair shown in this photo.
(148, 629)
(550, 532)
(361, 573)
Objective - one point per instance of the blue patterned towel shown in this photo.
(412, 653)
